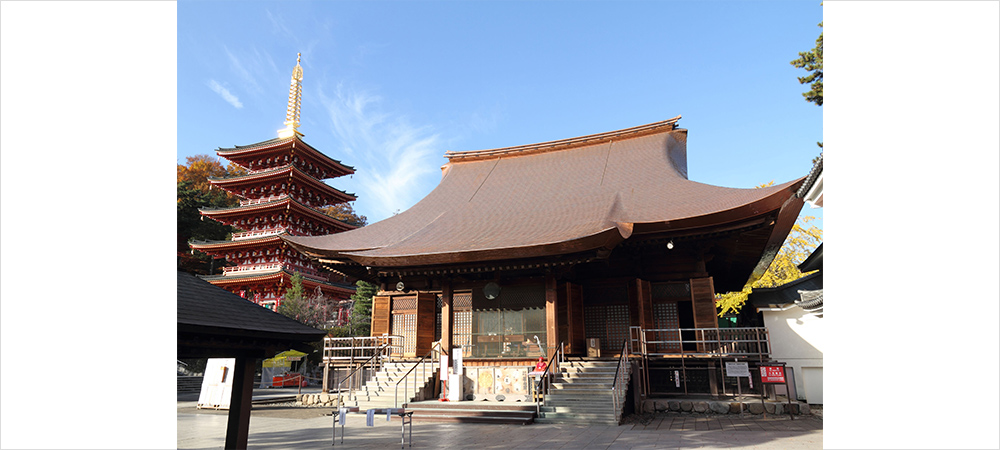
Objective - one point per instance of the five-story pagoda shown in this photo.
(280, 194)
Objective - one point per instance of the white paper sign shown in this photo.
(677, 378)
(737, 369)
(457, 354)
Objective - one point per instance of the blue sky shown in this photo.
(390, 86)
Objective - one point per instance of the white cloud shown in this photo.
(395, 160)
(225, 94)
(240, 69)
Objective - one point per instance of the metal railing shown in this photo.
(373, 364)
(706, 341)
(352, 350)
(620, 385)
(424, 363)
(546, 378)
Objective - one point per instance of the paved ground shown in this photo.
(290, 427)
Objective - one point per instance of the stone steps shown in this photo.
(581, 393)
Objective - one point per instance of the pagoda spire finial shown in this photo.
(294, 102)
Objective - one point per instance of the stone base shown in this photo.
(317, 399)
(724, 407)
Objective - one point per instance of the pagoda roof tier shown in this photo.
(230, 216)
(248, 156)
(287, 173)
(209, 246)
(308, 281)
(560, 198)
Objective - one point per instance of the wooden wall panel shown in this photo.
(703, 303)
(426, 320)
(380, 315)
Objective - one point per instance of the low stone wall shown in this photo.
(317, 399)
(723, 407)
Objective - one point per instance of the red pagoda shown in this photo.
(279, 195)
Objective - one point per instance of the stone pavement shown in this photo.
(289, 428)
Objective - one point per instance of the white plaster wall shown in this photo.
(797, 339)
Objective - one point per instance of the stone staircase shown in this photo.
(380, 391)
(581, 393)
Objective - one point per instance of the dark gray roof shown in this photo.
(213, 322)
(814, 261)
(786, 293)
(811, 178)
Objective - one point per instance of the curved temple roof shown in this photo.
(553, 198)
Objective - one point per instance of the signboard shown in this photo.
(457, 354)
(772, 374)
(737, 369)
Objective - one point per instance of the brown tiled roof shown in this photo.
(549, 199)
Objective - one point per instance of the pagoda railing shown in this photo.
(257, 201)
(258, 233)
(250, 268)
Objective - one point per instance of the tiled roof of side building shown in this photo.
(811, 178)
(200, 304)
(272, 275)
(584, 195)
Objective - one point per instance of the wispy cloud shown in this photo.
(225, 94)
(395, 159)
(241, 71)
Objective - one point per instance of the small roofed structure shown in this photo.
(519, 249)
(215, 323)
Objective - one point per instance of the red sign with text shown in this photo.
(772, 374)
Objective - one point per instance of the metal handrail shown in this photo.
(545, 375)
(754, 345)
(615, 391)
(350, 389)
(423, 371)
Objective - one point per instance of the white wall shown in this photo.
(797, 339)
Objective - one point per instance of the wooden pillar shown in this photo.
(446, 316)
(551, 315)
(238, 428)
(576, 339)
(326, 377)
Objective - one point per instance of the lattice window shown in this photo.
(609, 323)
(462, 335)
(408, 303)
(670, 290)
(665, 316)
(406, 325)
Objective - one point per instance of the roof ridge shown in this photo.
(563, 143)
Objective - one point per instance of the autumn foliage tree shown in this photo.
(193, 193)
(801, 241)
(344, 212)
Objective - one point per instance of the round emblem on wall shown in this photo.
(400, 286)
(491, 290)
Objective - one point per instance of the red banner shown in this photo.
(772, 374)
